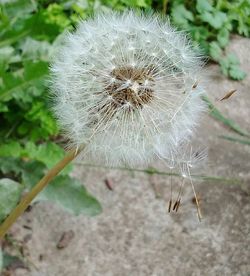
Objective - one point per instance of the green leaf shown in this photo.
(181, 15)
(141, 3)
(32, 172)
(13, 37)
(230, 67)
(215, 19)
(215, 51)
(63, 190)
(12, 148)
(223, 37)
(10, 193)
(48, 153)
(6, 53)
(224, 64)
(203, 6)
(71, 195)
(236, 73)
(19, 8)
(33, 49)
(33, 76)
(10, 164)
(10, 260)
(39, 115)
(233, 59)
(3, 108)
(54, 15)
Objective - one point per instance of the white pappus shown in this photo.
(128, 87)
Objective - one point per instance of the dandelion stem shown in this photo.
(24, 203)
(165, 4)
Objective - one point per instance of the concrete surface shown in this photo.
(135, 235)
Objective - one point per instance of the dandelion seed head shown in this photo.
(124, 85)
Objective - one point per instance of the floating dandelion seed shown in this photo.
(125, 85)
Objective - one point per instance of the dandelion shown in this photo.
(125, 85)
(126, 90)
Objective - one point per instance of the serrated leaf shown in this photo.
(233, 59)
(6, 53)
(40, 115)
(224, 65)
(215, 19)
(203, 6)
(10, 192)
(242, 16)
(229, 67)
(199, 33)
(181, 15)
(55, 15)
(33, 76)
(236, 73)
(12, 148)
(14, 31)
(215, 51)
(19, 8)
(34, 25)
(48, 153)
(8, 85)
(10, 164)
(223, 37)
(33, 49)
(32, 172)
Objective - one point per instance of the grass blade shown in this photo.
(214, 112)
(152, 171)
(234, 139)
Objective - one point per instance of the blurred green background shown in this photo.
(29, 33)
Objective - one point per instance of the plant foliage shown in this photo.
(210, 24)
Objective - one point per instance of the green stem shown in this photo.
(24, 203)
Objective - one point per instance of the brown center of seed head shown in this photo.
(130, 87)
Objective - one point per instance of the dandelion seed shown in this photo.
(228, 95)
(178, 199)
(178, 205)
(175, 205)
(195, 85)
(169, 205)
